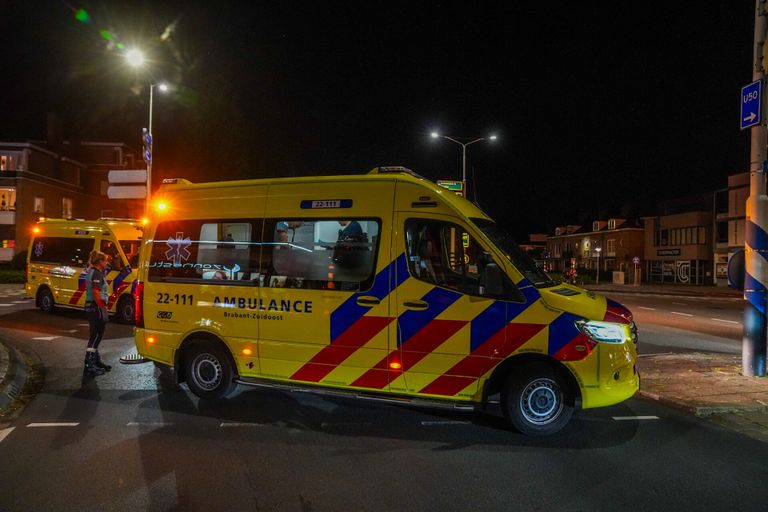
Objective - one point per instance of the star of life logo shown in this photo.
(178, 248)
(39, 248)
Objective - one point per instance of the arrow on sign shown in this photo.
(751, 117)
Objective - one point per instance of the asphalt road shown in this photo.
(669, 323)
(130, 441)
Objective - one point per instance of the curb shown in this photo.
(701, 410)
(22, 378)
(671, 293)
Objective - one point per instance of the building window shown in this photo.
(611, 223)
(610, 247)
(7, 163)
(39, 204)
(66, 207)
(596, 226)
(7, 199)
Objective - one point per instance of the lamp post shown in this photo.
(436, 135)
(135, 58)
(597, 277)
(163, 88)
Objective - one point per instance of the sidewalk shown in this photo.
(667, 289)
(707, 384)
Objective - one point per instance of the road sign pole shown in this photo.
(756, 240)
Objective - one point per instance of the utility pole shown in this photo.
(756, 241)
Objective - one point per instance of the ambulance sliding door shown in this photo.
(326, 270)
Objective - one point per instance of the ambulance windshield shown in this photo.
(512, 251)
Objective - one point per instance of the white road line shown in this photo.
(4, 433)
(19, 302)
(631, 418)
(68, 330)
(649, 309)
(83, 325)
(680, 303)
(444, 422)
(46, 338)
(726, 321)
(345, 424)
(681, 314)
(235, 424)
(147, 424)
(34, 425)
(6, 305)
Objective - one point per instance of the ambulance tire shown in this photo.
(536, 400)
(124, 310)
(209, 371)
(45, 300)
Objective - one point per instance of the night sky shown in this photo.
(601, 108)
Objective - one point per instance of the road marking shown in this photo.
(147, 424)
(680, 303)
(630, 418)
(68, 330)
(649, 309)
(726, 321)
(4, 433)
(681, 314)
(83, 325)
(46, 338)
(19, 302)
(34, 425)
(6, 305)
(444, 422)
(235, 424)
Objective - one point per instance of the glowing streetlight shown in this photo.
(135, 57)
(436, 135)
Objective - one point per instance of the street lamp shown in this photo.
(436, 135)
(135, 58)
(597, 278)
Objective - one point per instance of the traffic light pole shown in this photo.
(753, 356)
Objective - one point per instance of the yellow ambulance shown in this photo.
(58, 256)
(382, 286)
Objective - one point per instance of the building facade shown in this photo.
(611, 245)
(62, 180)
(679, 248)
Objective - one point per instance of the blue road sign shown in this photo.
(751, 104)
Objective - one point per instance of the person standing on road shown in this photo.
(96, 297)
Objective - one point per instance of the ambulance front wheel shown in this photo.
(45, 300)
(209, 371)
(536, 400)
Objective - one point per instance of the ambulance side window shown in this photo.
(225, 250)
(71, 252)
(333, 254)
(445, 254)
(110, 249)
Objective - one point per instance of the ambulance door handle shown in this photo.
(367, 300)
(415, 304)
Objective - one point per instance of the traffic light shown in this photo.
(146, 139)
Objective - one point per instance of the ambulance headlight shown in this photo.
(605, 332)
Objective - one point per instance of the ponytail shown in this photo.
(95, 257)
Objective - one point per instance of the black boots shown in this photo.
(91, 366)
(100, 363)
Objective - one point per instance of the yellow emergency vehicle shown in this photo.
(58, 256)
(383, 286)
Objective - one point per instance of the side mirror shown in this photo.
(491, 280)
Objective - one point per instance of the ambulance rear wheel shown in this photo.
(536, 400)
(45, 300)
(125, 310)
(209, 371)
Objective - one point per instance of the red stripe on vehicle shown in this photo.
(78, 293)
(472, 367)
(416, 348)
(357, 335)
(570, 352)
(116, 294)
